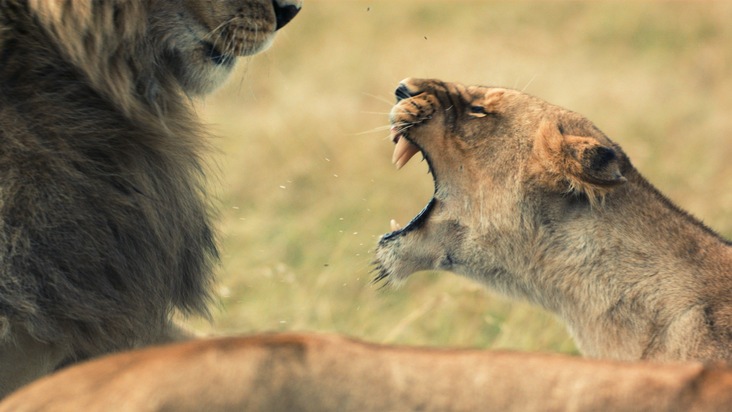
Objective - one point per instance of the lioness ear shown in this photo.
(576, 163)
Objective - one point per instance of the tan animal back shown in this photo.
(301, 372)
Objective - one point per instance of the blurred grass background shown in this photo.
(307, 186)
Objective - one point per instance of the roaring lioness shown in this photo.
(298, 372)
(105, 229)
(537, 203)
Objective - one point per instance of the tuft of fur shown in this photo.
(105, 224)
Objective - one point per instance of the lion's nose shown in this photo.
(403, 92)
(285, 10)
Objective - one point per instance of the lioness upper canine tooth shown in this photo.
(394, 225)
(403, 151)
(395, 135)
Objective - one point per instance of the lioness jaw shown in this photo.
(537, 203)
(298, 372)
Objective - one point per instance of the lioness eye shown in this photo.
(478, 111)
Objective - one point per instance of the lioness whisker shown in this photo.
(389, 102)
(529, 83)
(377, 113)
(374, 130)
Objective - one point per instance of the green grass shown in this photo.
(306, 183)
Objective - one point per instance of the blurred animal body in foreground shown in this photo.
(301, 372)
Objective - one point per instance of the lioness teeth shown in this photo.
(403, 151)
(394, 225)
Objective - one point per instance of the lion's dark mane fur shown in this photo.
(105, 227)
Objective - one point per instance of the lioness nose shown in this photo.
(285, 10)
(402, 92)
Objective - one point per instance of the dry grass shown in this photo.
(307, 186)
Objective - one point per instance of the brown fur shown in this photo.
(105, 229)
(295, 372)
(535, 202)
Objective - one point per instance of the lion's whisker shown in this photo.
(217, 28)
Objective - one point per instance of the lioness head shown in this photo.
(536, 202)
(498, 156)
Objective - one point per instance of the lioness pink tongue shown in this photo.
(403, 151)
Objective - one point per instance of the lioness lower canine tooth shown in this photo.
(394, 225)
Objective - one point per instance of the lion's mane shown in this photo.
(105, 230)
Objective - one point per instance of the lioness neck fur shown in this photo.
(299, 372)
(537, 203)
(105, 229)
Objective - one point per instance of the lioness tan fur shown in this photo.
(297, 372)
(537, 203)
(105, 229)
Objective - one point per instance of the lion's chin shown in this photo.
(216, 56)
(226, 52)
(258, 46)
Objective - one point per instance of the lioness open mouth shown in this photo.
(404, 150)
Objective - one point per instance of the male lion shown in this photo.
(537, 203)
(321, 373)
(105, 229)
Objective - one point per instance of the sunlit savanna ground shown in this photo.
(307, 186)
